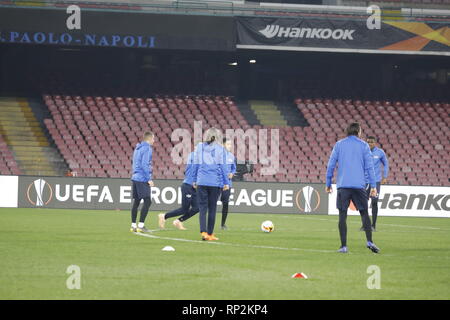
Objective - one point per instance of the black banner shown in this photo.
(97, 193)
(348, 35)
(116, 29)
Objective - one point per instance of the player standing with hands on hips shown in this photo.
(210, 174)
(379, 157)
(142, 181)
(355, 159)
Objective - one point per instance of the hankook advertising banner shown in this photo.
(405, 201)
(343, 35)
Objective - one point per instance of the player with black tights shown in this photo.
(354, 159)
(225, 196)
(142, 181)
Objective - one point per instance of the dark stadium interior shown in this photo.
(31, 70)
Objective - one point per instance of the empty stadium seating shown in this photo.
(415, 136)
(96, 135)
(8, 164)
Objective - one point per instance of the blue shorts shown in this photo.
(140, 190)
(357, 196)
(368, 190)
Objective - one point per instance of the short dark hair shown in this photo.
(353, 129)
(147, 134)
(371, 138)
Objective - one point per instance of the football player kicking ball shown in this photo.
(189, 206)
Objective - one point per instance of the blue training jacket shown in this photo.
(355, 159)
(231, 165)
(142, 162)
(379, 157)
(210, 167)
(189, 171)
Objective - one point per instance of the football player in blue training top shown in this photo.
(189, 205)
(355, 160)
(210, 177)
(142, 180)
(231, 166)
(379, 157)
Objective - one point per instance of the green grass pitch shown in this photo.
(38, 245)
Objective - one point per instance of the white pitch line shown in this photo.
(233, 244)
(381, 224)
(406, 226)
(275, 248)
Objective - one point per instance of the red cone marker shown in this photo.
(300, 275)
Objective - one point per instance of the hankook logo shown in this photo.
(307, 199)
(272, 31)
(39, 193)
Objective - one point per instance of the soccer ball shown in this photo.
(267, 226)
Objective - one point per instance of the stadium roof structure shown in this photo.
(243, 8)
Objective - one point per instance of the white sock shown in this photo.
(133, 224)
(140, 225)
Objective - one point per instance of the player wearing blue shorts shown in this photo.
(354, 159)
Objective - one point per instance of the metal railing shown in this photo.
(233, 8)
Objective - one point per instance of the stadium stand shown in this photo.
(267, 113)
(96, 135)
(95, 116)
(24, 135)
(414, 135)
(8, 164)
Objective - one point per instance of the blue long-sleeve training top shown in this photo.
(379, 157)
(210, 167)
(231, 164)
(142, 162)
(189, 171)
(354, 159)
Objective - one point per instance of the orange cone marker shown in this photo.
(300, 275)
